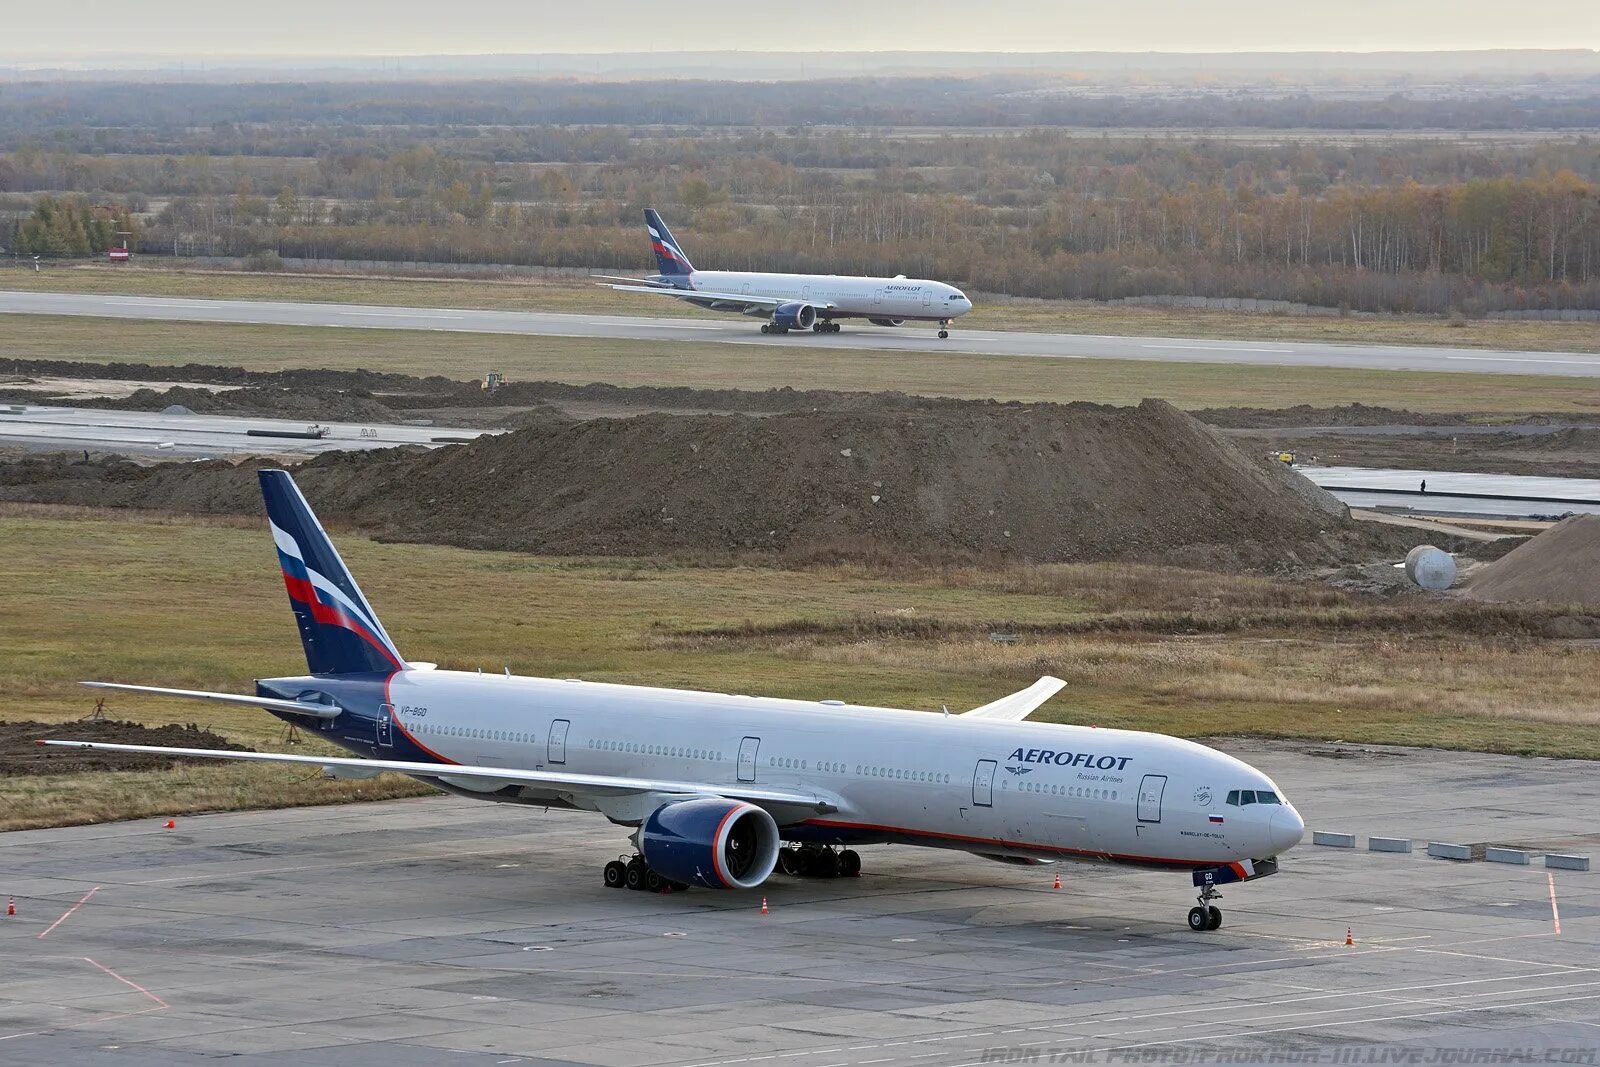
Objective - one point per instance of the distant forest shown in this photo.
(991, 182)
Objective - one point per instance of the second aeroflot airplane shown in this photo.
(795, 301)
(721, 790)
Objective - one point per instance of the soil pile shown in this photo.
(1045, 483)
(1561, 565)
(19, 754)
(1307, 415)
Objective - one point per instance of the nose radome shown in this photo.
(1286, 829)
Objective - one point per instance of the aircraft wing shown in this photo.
(1019, 706)
(725, 300)
(559, 781)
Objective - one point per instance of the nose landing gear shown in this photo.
(1206, 916)
(944, 329)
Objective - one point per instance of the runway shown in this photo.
(1458, 493)
(156, 434)
(745, 331)
(445, 931)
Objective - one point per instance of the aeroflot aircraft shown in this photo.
(795, 301)
(720, 790)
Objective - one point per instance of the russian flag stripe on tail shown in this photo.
(340, 631)
(669, 256)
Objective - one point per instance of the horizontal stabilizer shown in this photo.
(1019, 706)
(297, 707)
(559, 781)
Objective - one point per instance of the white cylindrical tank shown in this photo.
(1431, 568)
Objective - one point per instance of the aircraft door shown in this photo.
(558, 740)
(983, 784)
(385, 726)
(747, 758)
(927, 297)
(1150, 789)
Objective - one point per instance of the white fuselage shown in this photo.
(843, 296)
(1002, 788)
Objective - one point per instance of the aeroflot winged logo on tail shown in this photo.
(1086, 760)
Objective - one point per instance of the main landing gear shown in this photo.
(813, 861)
(636, 874)
(1206, 916)
(824, 327)
(944, 329)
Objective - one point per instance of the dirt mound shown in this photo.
(1306, 415)
(1076, 482)
(19, 754)
(1561, 565)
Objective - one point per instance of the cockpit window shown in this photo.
(1240, 797)
(1264, 796)
(955, 296)
(1233, 797)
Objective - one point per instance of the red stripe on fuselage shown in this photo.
(398, 725)
(1058, 850)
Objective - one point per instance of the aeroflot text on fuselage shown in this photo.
(1069, 759)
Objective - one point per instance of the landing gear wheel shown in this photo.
(635, 874)
(1207, 916)
(765, 328)
(789, 861)
(825, 864)
(653, 882)
(944, 335)
(616, 874)
(849, 864)
(819, 327)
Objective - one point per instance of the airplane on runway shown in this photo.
(794, 301)
(720, 790)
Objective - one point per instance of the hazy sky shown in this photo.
(400, 27)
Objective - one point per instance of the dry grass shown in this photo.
(996, 313)
(700, 364)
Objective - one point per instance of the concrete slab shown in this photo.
(444, 931)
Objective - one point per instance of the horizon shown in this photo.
(399, 29)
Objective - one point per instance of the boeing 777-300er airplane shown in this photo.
(794, 301)
(720, 790)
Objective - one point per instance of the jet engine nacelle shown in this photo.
(711, 842)
(794, 315)
(887, 322)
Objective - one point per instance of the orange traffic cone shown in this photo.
(11, 905)
(1348, 939)
(1058, 879)
(763, 905)
(172, 824)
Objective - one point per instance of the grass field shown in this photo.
(713, 365)
(199, 605)
(997, 313)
